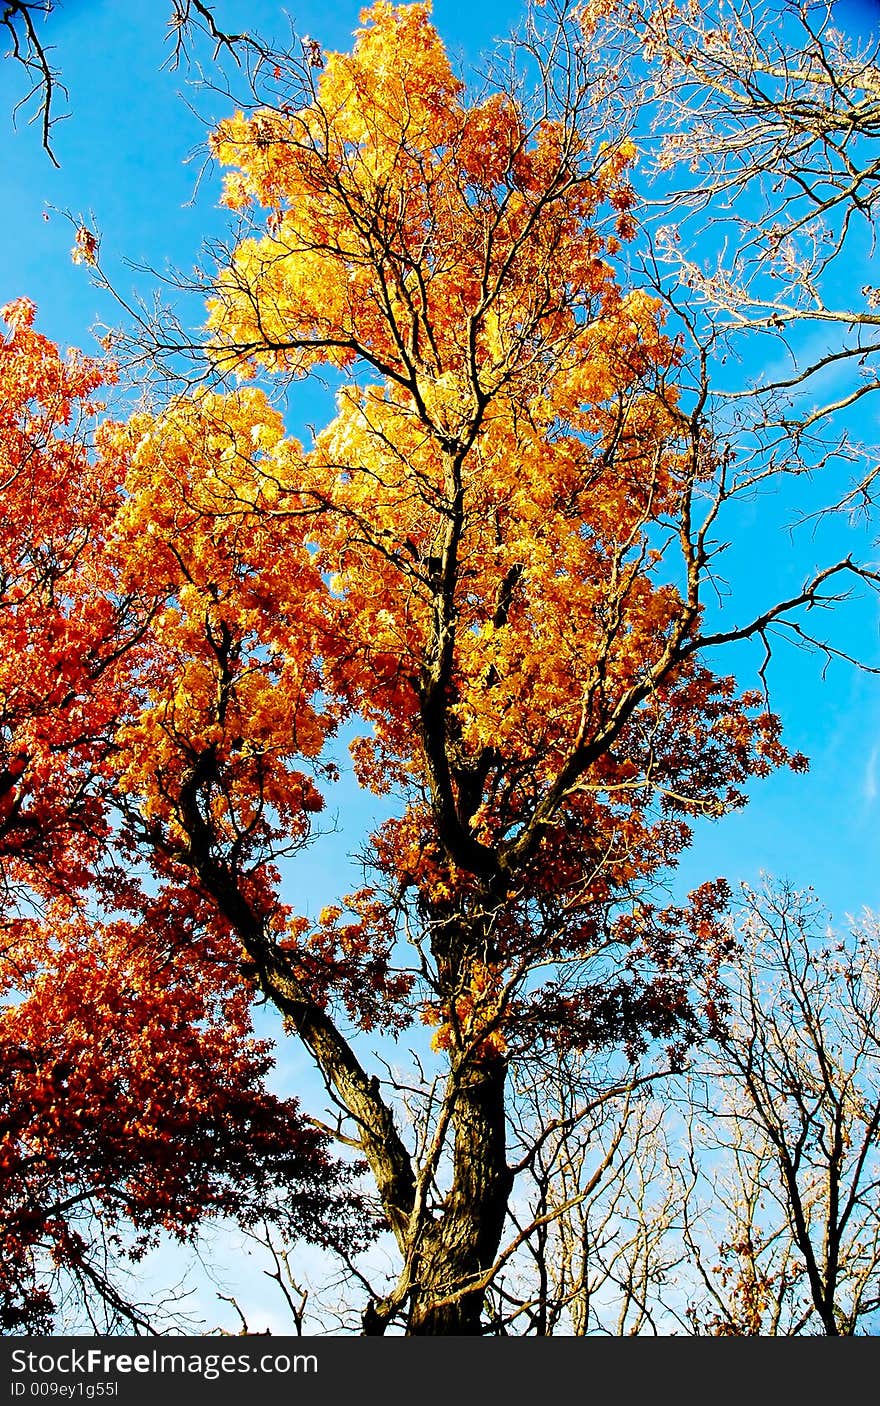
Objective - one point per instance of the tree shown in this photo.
(793, 1103)
(742, 1198)
(98, 1154)
(760, 125)
(597, 1237)
(494, 563)
(60, 638)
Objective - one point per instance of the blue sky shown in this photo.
(129, 157)
(129, 161)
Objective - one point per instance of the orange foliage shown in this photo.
(60, 626)
(494, 512)
(130, 1083)
(132, 1095)
(473, 560)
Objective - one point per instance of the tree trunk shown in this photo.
(458, 1247)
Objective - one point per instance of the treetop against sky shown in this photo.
(131, 148)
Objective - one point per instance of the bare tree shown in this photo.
(759, 126)
(739, 1199)
(795, 1107)
(594, 1242)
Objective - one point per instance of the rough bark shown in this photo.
(458, 1247)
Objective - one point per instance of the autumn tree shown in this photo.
(98, 1155)
(496, 566)
(59, 637)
